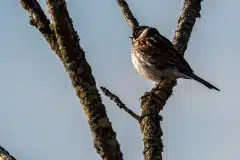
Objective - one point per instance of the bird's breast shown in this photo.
(142, 66)
(149, 70)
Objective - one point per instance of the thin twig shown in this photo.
(121, 105)
(131, 20)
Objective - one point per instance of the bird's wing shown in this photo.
(160, 51)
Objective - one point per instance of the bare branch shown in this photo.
(131, 20)
(64, 36)
(5, 155)
(152, 105)
(190, 12)
(121, 105)
(39, 20)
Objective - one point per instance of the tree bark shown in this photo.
(131, 20)
(64, 41)
(5, 155)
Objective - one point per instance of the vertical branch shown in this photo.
(186, 21)
(152, 105)
(64, 40)
(5, 155)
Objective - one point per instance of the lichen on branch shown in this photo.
(64, 41)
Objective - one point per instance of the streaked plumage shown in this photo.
(155, 58)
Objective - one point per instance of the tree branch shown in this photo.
(121, 105)
(152, 105)
(63, 35)
(39, 20)
(5, 155)
(131, 20)
(186, 21)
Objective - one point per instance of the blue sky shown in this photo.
(41, 117)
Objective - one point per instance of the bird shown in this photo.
(155, 58)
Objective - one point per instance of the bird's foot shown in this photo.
(147, 94)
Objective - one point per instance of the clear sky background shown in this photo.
(41, 117)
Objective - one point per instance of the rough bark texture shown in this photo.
(5, 155)
(39, 20)
(152, 105)
(131, 20)
(150, 124)
(186, 21)
(64, 40)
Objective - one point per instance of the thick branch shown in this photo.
(73, 57)
(152, 105)
(121, 105)
(190, 12)
(5, 155)
(131, 20)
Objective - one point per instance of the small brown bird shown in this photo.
(155, 58)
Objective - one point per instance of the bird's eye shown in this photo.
(135, 35)
(138, 31)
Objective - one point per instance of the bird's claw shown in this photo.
(146, 94)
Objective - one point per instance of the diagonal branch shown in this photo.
(64, 40)
(131, 20)
(5, 155)
(121, 105)
(152, 105)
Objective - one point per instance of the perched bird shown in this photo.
(155, 58)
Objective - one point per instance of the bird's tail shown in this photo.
(205, 83)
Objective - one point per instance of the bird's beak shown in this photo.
(132, 39)
(144, 33)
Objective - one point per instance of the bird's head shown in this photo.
(143, 32)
